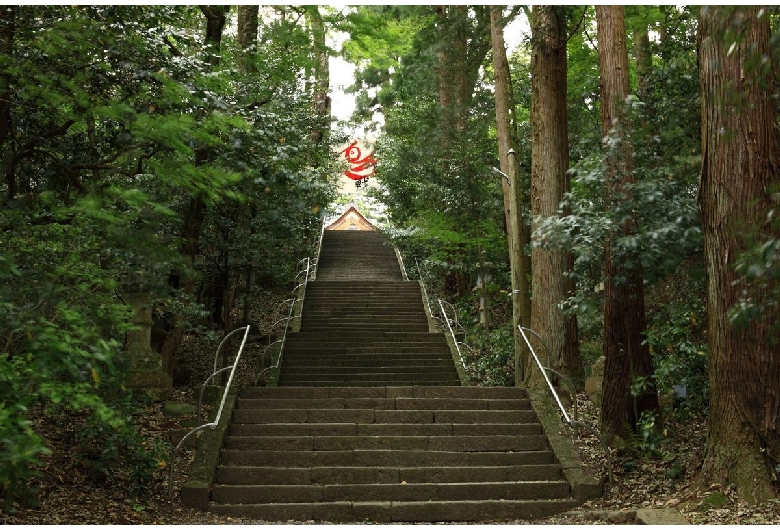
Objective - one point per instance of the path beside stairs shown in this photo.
(369, 421)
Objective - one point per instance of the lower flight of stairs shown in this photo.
(387, 454)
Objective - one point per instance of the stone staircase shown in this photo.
(369, 421)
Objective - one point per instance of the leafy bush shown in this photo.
(106, 447)
(677, 339)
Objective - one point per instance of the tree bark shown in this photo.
(626, 357)
(549, 181)
(741, 155)
(504, 103)
(7, 33)
(321, 75)
(247, 37)
(507, 139)
(216, 16)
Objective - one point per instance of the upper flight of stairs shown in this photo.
(362, 325)
(369, 421)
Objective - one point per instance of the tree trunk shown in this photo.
(504, 103)
(7, 33)
(549, 181)
(644, 62)
(216, 17)
(521, 303)
(627, 358)
(247, 37)
(321, 75)
(446, 71)
(740, 170)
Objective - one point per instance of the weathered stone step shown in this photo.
(389, 310)
(385, 475)
(386, 336)
(320, 300)
(372, 383)
(395, 511)
(369, 352)
(299, 360)
(383, 458)
(376, 326)
(398, 368)
(249, 494)
(362, 376)
(241, 415)
(385, 429)
(408, 443)
(471, 392)
(359, 346)
(362, 287)
(385, 403)
(364, 319)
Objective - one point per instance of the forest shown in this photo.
(609, 181)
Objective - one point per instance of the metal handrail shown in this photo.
(319, 249)
(297, 297)
(572, 423)
(211, 425)
(562, 377)
(401, 263)
(449, 327)
(424, 290)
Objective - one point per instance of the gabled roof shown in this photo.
(351, 220)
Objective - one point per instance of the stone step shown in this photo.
(399, 511)
(325, 368)
(371, 383)
(383, 458)
(356, 352)
(396, 443)
(471, 392)
(354, 340)
(385, 403)
(339, 352)
(365, 416)
(385, 429)
(370, 320)
(363, 376)
(373, 327)
(367, 335)
(392, 287)
(297, 360)
(386, 475)
(378, 379)
(325, 365)
(353, 311)
(250, 494)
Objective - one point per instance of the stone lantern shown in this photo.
(144, 365)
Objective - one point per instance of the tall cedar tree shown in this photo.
(515, 228)
(740, 171)
(549, 182)
(626, 352)
(246, 37)
(321, 74)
